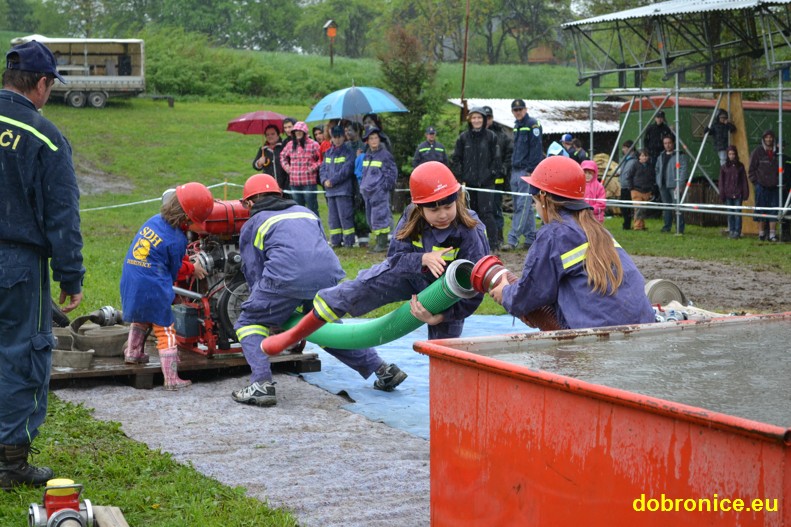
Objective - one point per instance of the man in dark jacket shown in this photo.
(502, 183)
(476, 164)
(763, 173)
(528, 152)
(654, 134)
(39, 225)
(430, 150)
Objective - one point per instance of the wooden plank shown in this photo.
(142, 375)
(108, 517)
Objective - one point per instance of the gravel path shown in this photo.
(329, 466)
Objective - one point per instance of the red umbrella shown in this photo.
(254, 123)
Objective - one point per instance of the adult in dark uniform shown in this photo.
(430, 150)
(40, 223)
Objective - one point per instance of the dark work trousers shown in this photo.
(483, 204)
(626, 212)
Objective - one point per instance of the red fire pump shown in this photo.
(205, 310)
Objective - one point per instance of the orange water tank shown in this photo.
(514, 446)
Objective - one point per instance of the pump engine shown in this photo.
(206, 309)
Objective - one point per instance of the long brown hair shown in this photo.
(602, 263)
(416, 222)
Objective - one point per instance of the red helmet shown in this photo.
(432, 181)
(559, 175)
(260, 184)
(196, 200)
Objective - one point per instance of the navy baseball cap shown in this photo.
(32, 56)
(431, 130)
(517, 103)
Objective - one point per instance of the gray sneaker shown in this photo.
(389, 378)
(258, 393)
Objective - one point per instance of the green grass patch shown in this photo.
(149, 486)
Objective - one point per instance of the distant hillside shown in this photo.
(304, 79)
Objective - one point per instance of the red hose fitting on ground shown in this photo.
(488, 272)
(275, 344)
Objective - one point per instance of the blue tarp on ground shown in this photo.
(406, 408)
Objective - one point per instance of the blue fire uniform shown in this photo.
(285, 261)
(528, 152)
(427, 151)
(151, 266)
(554, 275)
(338, 169)
(39, 222)
(402, 274)
(379, 179)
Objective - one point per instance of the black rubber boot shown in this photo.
(381, 244)
(15, 470)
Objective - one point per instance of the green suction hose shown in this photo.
(452, 286)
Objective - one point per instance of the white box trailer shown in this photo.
(95, 68)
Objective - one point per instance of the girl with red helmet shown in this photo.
(435, 229)
(575, 265)
(151, 266)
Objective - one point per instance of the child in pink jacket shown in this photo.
(594, 191)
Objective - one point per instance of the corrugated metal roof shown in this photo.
(676, 7)
(47, 40)
(557, 117)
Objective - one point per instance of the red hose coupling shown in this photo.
(274, 344)
(487, 272)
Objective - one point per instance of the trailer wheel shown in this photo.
(75, 99)
(97, 99)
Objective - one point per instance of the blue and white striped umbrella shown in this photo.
(357, 100)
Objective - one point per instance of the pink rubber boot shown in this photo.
(135, 344)
(169, 359)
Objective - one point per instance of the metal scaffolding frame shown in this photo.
(678, 36)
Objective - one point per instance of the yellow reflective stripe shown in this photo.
(428, 149)
(30, 129)
(331, 160)
(578, 254)
(246, 331)
(499, 181)
(323, 310)
(522, 129)
(264, 228)
(340, 159)
(386, 230)
(328, 161)
(418, 243)
(450, 255)
(335, 231)
(375, 164)
(348, 231)
(574, 256)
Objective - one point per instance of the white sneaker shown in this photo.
(258, 393)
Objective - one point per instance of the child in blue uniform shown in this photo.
(337, 178)
(150, 268)
(286, 260)
(378, 181)
(575, 265)
(436, 229)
